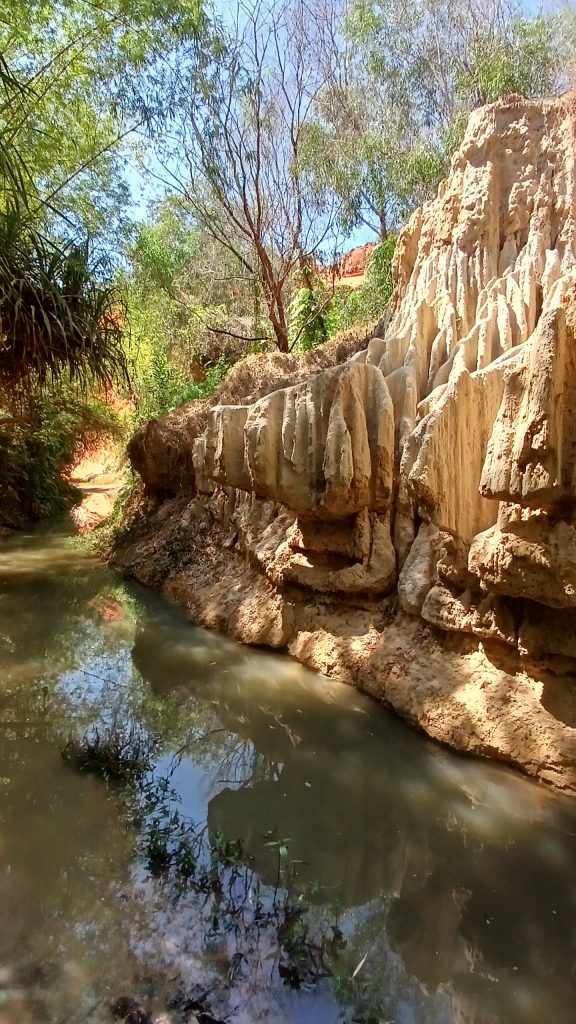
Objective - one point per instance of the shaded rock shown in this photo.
(532, 559)
(546, 632)
(491, 618)
(419, 572)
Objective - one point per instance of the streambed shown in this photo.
(332, 838)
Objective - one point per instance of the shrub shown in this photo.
(39, 444)
(313, 317)
(368, 303)
(161, 385)
(121, 752)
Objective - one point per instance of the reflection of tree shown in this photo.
(455, 909)
(447, 907)
(49, 628)
(425, 841)
(455, 878)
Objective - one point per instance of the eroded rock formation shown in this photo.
(429, 481)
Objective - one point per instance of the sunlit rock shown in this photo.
(435, 469)
(324, 448)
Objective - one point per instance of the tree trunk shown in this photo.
(256, 307)
(282, 340)
(277, 312)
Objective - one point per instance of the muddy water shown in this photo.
(452, 883)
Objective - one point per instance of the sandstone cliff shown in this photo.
(406, 519)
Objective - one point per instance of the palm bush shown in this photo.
(56, 317)
(60, 334)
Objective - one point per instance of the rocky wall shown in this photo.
(406, 519)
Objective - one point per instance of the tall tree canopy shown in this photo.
(234, 151)
(401, 77)
(91, 73)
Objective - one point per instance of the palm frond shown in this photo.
(56, 317)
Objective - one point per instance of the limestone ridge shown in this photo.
(438, 463)
(467, 401)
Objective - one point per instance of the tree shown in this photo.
(236, 162)
(401, 77)
(190, 307)
(59, 321)
(90, 74)
(77, 77)
(199, 291)
(527, 57)
(56, 315)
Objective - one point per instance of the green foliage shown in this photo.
(310, 317)
(526, 57)
(56, 316)
(379, 268)
(234, 149)
(39, 444)
(368, 303)
(88, 76)
(75, 79)
(416, 175)
(402, 78)
(188, 292)
(317, 313)
(60, 334)
(160, 384)
(184, 294)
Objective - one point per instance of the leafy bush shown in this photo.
(314, 317)
(316, 313)
(38, 445)
(368, 303)
(161, 385)
(526, 57)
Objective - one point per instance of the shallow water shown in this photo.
(452, 882)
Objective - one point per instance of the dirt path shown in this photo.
(97, 477)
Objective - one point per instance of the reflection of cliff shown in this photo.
(305, 808)
(438, 465)
(454, 911)
(420, 849)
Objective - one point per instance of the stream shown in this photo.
(294, 853)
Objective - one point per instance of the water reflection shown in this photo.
(454, 878)
(472, 867)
